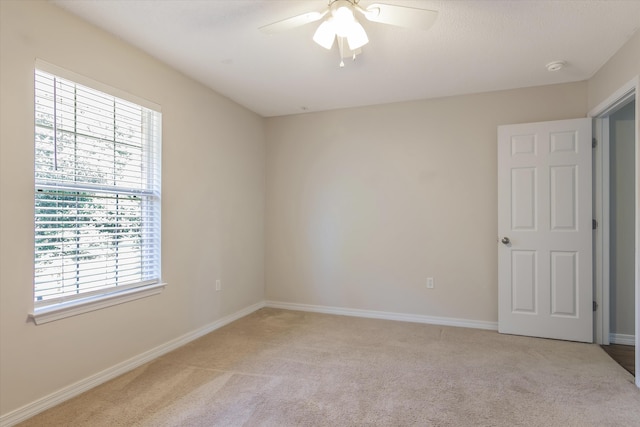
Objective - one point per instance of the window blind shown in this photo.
(97, 192)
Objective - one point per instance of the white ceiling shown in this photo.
(474, 46)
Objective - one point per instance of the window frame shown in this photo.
(50, 310)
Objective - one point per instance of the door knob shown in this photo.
(506, 240)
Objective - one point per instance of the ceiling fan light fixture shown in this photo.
(325, 34)
(357, 36)
(339, 21)
(343, 13)
(342, 24)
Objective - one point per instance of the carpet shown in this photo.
(288, 368)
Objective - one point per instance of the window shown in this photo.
(97, 198)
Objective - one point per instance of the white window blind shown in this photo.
(97, 192)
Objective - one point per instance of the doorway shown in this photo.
(615, 239)
(621, 241)
(621, 221)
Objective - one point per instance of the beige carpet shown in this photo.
(286, 368)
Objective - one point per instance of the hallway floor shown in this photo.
(623, 354)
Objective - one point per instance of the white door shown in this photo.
(544, 227)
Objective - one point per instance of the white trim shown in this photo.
(622, 339)
(601, 237)
(83, 385)
(86, 81)
(617, 100)
(54, 312)
(415, 318)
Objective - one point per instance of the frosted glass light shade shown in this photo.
(357, 36)
(342, 23)
(325, 34)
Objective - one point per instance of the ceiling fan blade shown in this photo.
(293, 22)
(401, 16)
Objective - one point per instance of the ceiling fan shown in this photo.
(341, 24)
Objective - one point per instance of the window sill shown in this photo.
(73, 308)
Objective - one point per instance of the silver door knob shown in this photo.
(505, 240)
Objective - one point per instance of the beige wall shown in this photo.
(212, 210)
(622, 214)
(620, 69)
(364, 204)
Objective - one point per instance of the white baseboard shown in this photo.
(415, 318)
(622, 339)
(66, 393)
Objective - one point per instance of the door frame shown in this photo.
(600, 115)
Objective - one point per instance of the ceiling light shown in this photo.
(325, 34)
(339, 22)
(342, 23)
(356, 36)
(556, 65)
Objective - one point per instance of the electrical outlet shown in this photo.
(218, 285)
(430, 283)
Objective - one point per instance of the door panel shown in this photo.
(564, 282)
(563, 198)
(523, 194)
(524, 281)
(544, 211)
